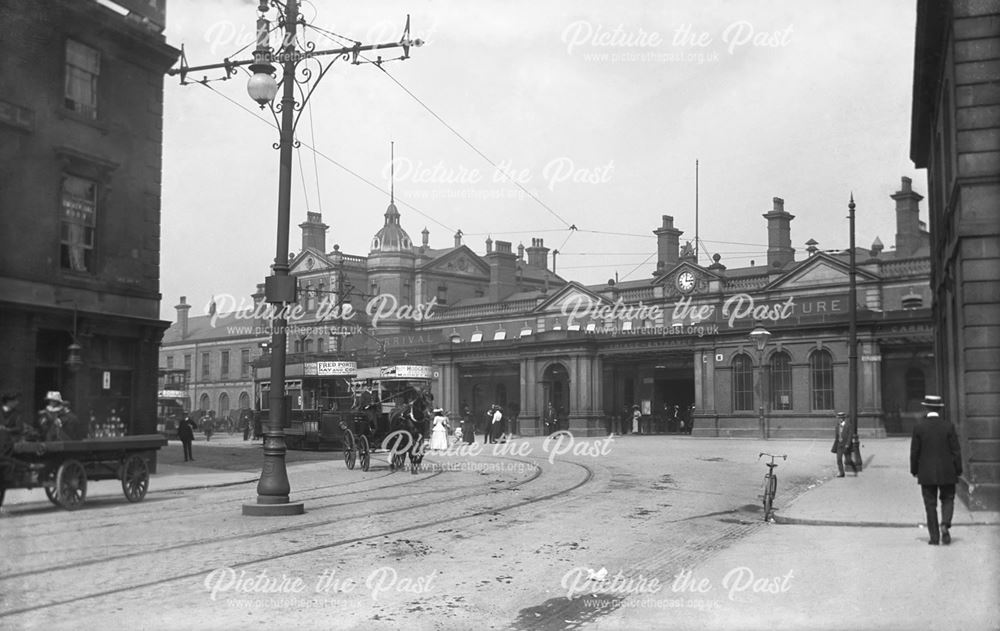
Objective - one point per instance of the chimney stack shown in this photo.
(182, 315)
(909, 236)
(503, 271)
(314, 232)
(538, 254)
(668, 241)
(779, 236)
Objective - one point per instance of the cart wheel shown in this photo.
(135, 478)
(50, 492)
(350, 450)
(71, 485)
(364, 450)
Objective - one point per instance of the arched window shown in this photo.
(205, 403)
(742, 383)
(781, 381)
(223, 405)
(321, 345)
(821, 379)
(244, 401)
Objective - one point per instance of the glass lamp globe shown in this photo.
(262, 88)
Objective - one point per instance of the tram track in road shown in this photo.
(461, 491)
(94, 514)
(588, 475)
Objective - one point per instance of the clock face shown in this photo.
(685, 281)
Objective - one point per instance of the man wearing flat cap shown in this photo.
(936, 462)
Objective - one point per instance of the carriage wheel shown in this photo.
(71, 485)
(364, 450)
(135, 478)
(350, 450)
(50, 492)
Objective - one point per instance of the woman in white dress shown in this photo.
(439, 432)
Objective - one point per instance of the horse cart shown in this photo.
(382, 409)
(64, 467)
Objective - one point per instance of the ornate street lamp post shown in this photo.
(759, 336)
(273, 490)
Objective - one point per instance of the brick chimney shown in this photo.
(909, 236)
(182, 315)
(314, 232)
(538, 254)
(503, 271)
(779, 236)
(668, 240)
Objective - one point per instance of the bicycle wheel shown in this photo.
(768, 496)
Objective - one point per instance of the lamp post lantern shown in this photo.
(280, 289)
(759, 336)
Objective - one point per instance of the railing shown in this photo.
(747, 282)
(910, 267)
(485, 310)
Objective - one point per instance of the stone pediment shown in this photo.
(819, 270)
(571, 297)
(308, 261)
(684, 279)
(461, 261)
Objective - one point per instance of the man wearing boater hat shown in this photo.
(936, 461)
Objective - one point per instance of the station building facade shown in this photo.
(501, 328)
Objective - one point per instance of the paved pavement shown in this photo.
(851, 553)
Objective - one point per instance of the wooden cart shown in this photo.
(63, 468)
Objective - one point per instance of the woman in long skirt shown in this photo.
(439, 432)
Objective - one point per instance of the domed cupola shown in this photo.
(392, 237)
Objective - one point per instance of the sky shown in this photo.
(518, 120)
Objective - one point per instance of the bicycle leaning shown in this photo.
(770, 484)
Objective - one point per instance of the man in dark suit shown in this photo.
(842, 445)
(936, 461)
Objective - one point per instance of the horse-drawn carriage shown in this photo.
(385, 409)
(64, 467)
(394, 421)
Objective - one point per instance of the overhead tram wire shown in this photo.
(302, 176)
(452, 130)
(328, 158)
(312, 136)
